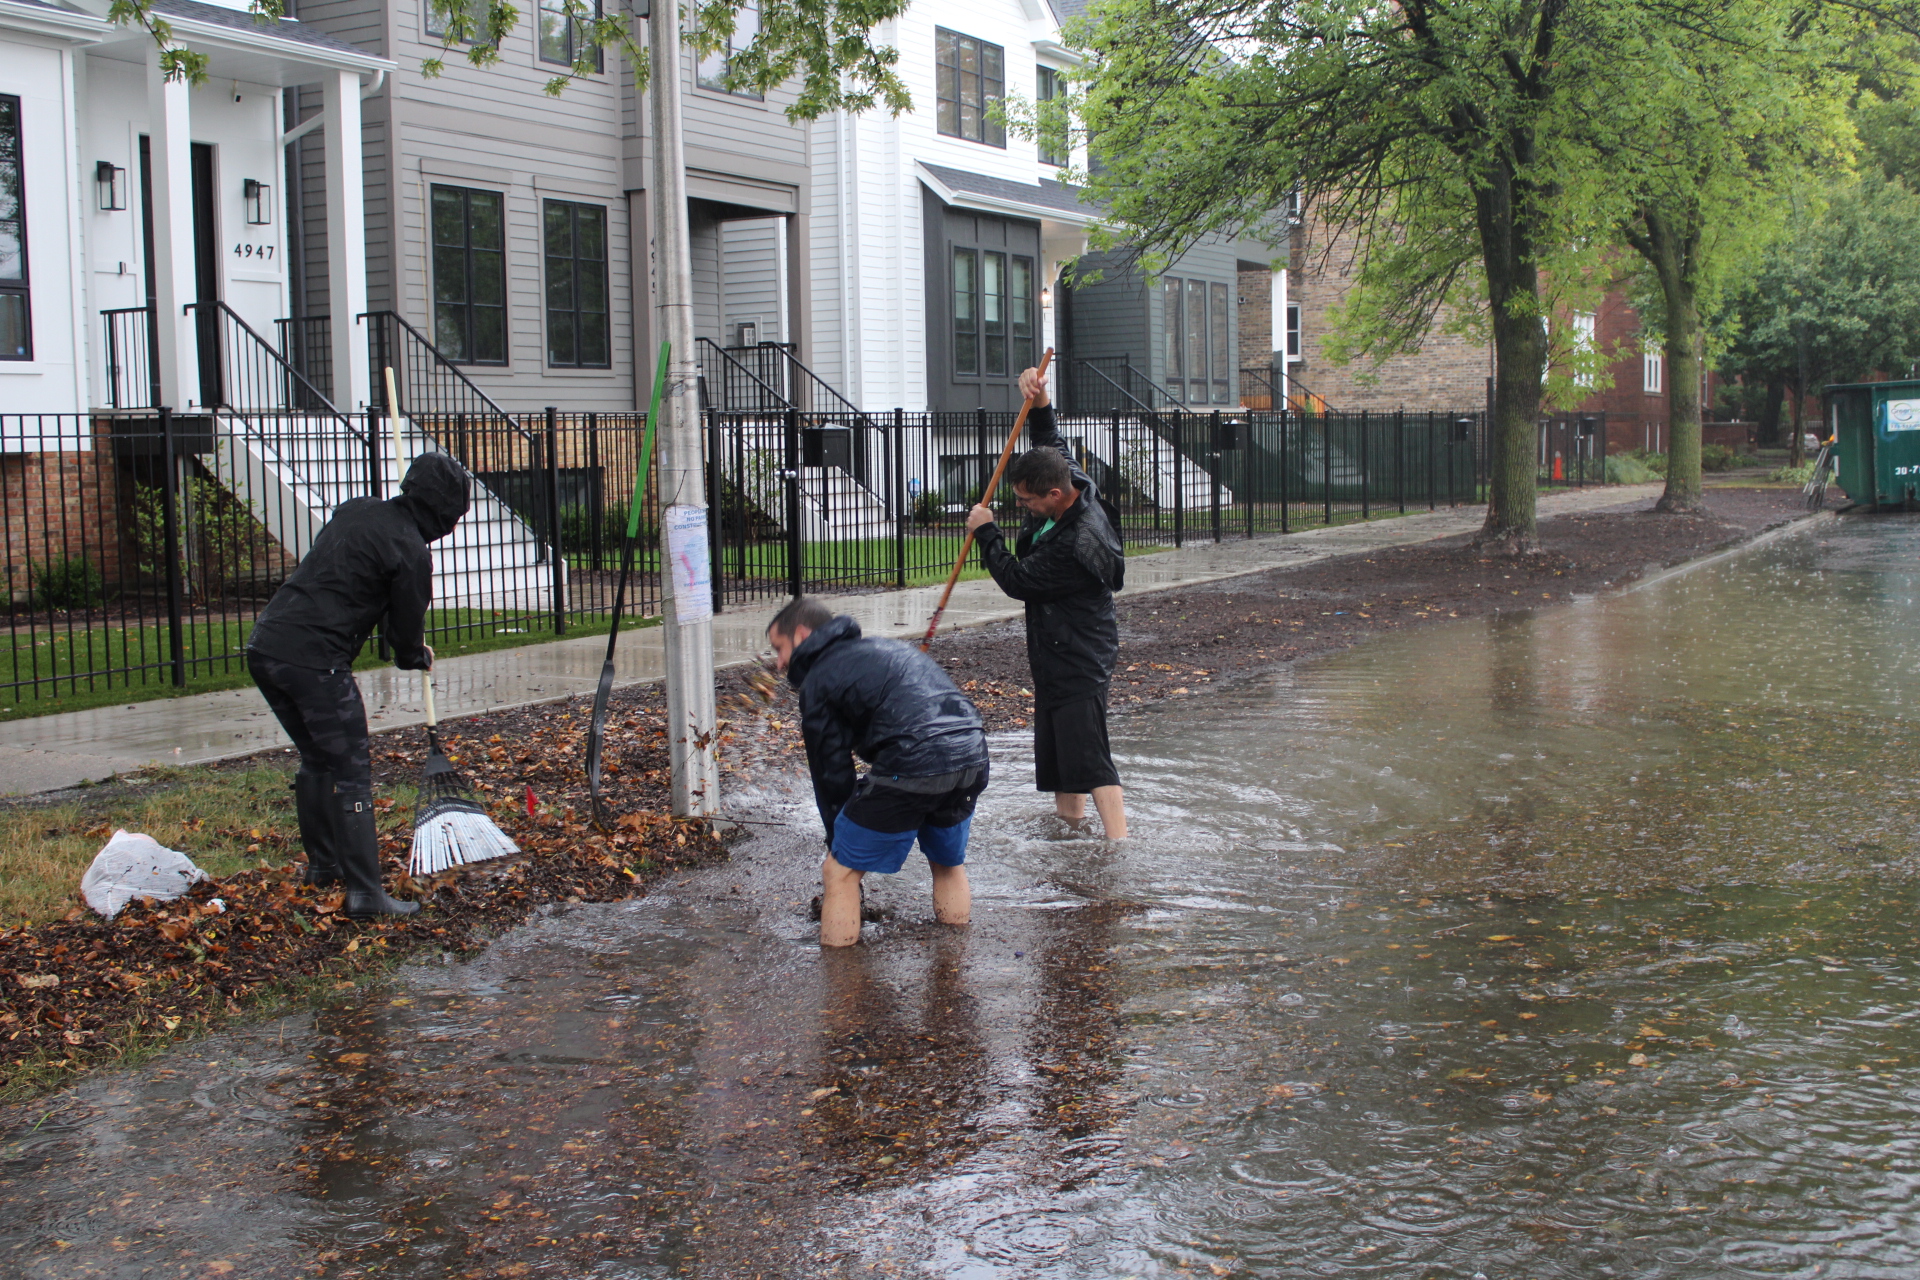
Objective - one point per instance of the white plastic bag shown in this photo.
(135, 865)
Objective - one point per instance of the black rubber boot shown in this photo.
(359, 852)
(313, 802)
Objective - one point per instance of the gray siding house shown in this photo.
(507, 227)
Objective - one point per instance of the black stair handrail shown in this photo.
(442, 365)
(262, 347)
(1285, 397)
(783, 402)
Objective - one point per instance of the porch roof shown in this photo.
(240, 46)
(1047, 200)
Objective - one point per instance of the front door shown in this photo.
(206, 262)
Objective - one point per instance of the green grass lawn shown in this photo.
(216, 658)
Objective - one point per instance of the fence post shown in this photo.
(553, 523)
(1326, 464)
(170, 526)
(902, 508)
(1115, 477)
(1431, 504)
(596, 491)
(793, 503)
(1451, 495)
(716, 491)
(1400, 456)
(1214, 452)
(1366, 466)
(1285, 470)
(1179, 490)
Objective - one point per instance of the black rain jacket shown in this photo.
(370, 562)
(884, 701)
(1067, 580)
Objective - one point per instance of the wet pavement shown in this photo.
(1569, 944)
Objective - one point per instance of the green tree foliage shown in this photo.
(826, 45)
(1837, 298)
(1451, 143)
(1742, 106)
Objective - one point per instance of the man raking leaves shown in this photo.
(369, 566)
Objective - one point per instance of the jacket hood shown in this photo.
(436, 493)
(841, 628)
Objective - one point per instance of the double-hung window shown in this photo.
(1293, 330)
(16, 322)
(993, 303)
(714, 67)
(1173, 333)
(470, 275)
(563, 37)
(1054, 148)
(578, 332)
(1221, 344)
(971, 78)
(1653, 370)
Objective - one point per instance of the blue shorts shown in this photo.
(858, 849)
(876, 827)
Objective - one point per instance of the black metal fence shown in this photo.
(139, 547)
(826, 502)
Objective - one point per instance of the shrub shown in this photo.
(928, 509)
(1717, 457)
(72, 583)
(1624, 468)
(1792, 475)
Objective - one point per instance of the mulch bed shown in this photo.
(81, 991)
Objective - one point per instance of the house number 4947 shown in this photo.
(264, 252)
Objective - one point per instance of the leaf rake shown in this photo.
(450, 825)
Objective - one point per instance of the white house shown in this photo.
(139, 198)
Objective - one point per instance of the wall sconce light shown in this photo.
(111, 180)
(1046, 297)
(259, 198)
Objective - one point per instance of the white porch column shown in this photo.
(346, 240)
(169, 128)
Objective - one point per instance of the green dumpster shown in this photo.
(1878, 425)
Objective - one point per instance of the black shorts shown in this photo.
(892, 809)
(1070, 748)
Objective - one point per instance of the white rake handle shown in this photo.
(432, 720)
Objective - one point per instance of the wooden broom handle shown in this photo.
(986, 499)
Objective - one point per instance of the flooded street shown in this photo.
(1569, 944)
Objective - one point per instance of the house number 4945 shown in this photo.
(262, 251)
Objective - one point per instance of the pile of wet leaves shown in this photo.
(85, 990)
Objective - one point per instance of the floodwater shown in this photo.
(1569, 944)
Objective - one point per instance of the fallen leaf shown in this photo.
(353, 1059)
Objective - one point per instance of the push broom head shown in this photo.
(450, 827)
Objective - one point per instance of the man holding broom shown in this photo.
(892, 706)
(369, 565)
(1065, 567)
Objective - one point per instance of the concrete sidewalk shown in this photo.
(50, 752)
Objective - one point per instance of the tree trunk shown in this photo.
(1797, 447)
(1671, 247)
(1769, 428)
(1520, 362)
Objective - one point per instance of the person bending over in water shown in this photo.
(893, 707)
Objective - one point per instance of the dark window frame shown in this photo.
(1173, 336)
(1047, 88)
(13, 139)
(574, 313)
(984, 346)
(443, 254)
(1220, 339)
(435, 26)
(573, 39)
(704, 74)
(951, 86)
(1292, 340)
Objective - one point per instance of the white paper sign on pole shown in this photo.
(692, 566)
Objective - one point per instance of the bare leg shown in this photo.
(952, 895)
(1113, 812)
(839, 904)
(1071, 805)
